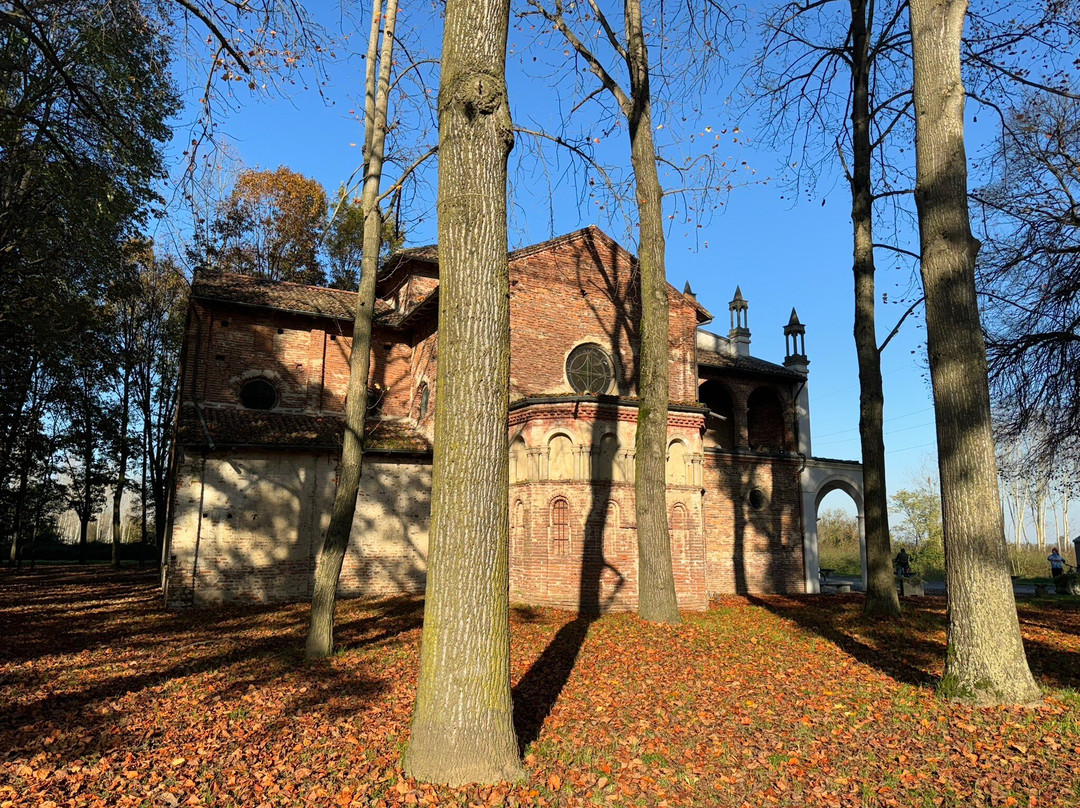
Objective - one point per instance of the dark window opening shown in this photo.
(425, 399)
(589, 370)
(720, 421)
(758, 500)
(258, 394)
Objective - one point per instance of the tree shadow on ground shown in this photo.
(911, 659)
(73, 670)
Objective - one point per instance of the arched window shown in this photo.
(676, 463)
(590, 370)
(258, 394)
(560, 458)
(720, 422)
(518, 461)
(559, 527)
(517, 529)
(765, 421)
(608, 464)
(679, 528)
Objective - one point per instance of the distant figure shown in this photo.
(903, 563)
(1057, 562)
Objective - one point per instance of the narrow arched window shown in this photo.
(560, 527)
(679, 527)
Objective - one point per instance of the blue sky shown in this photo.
(782, 254)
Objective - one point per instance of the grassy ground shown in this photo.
(107, 699)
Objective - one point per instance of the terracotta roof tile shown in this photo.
(229, 426)
(751, 364)
(251, 291)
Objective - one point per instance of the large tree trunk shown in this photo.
(880, 586)
(985, 660)
(121, 472)
(320, 639)
(656, 581)
(462, 727)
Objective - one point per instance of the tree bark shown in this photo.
(881, 595)
(320, 638)
(121, 471)
(985, 660)
(656, 580)
(462, 727)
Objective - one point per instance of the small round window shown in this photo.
(758, 500)
(258, 394)
(589, 370)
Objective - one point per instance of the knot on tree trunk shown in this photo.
(479, 94)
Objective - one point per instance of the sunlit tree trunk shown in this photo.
(320, 638)
(121, 465)
(462, 727)
(656, 581)
(985, 659)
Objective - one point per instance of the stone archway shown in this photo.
(821, 477)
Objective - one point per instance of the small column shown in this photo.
(741, 430)
(315, 360)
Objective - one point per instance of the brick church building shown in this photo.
(260, 423)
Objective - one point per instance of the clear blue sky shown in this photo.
(781, 254)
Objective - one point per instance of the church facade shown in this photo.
(259, 428)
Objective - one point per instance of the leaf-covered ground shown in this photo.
(108, 699)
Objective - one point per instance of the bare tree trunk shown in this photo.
(121, 471)
(1037, 508)
(462, 727)
(320, 638)
(881, 595)
(20, 506)
(656, 581)
(985, 660)
(142, 495)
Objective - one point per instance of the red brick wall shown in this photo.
(749, 550)
(597, 567)
(586, 291)
(306, 357)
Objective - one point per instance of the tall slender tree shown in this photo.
(985, 661)
(320, 639)
(656, 580)
(835, 60)
(462, 727)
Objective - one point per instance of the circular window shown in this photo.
(258, 394)
(589, 370)
(758, 500)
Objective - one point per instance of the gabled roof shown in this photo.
(246, 290)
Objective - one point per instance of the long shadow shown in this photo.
(537, 691)
(258, 645)
(807, 612)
